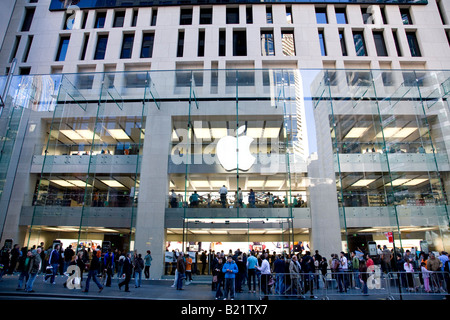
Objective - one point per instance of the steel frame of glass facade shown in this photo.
(365, 149)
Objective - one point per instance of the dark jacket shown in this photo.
(138, 264)
(180, 265)
(127, 266)
(95, 263)
(54, 257)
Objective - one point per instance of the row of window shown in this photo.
(102, 42)
(380, 45)
(240, 44)
(369, 16)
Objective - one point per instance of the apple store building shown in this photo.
(249, 159)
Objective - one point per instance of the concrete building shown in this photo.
(337, 112)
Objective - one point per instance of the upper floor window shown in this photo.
(119, 18)
(186, 16)
(406, 16)
(321, 15)
(29, 14)
(341, 16)
(100, 20)
(62, 48)
(205, 15)
(232, 15)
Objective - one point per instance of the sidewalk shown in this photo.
(199, 289)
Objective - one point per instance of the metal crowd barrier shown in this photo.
(410, 284)
(377, 285)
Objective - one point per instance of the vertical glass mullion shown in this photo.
(385, 153)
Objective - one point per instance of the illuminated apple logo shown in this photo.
(230, 156)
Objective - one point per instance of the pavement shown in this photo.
(162, 290)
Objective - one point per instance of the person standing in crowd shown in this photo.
(307, 263)
(34, 268)
(68, 254)
(251, 198)
(24, 270)
(355, 268)
(15, 255)
(229, 269)
(203, 260)
(362, 268)
(294, 271)
(93, 271)
(342, 276)
(138, 267)
(218, 277)
(223, 196)
(127, 270)
(4, 261)
(181, 269)
(251, 270)
(279, 267)
(173, 199)
(265, 275)
(108, 267)
(148, 262)
(188, 269)
(242, 268)
(53, 262)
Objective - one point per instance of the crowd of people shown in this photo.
(298, 274)
(232, 272)
(97, 263)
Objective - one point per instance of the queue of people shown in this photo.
(97, 263)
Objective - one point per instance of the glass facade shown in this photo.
(280, 157)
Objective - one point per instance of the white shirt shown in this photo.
(265, 267)
(344, 264)
(408, 267)
(223, 190)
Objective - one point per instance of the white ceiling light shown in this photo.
(274, 183)
(62, 183)
(415, 182)
(363, 182)
(255, 183)
(118, 134)
(388, 132)
(113, 183)
(254, 132)
(398, 182)
(219, 132)
(79, 183)
(271, 132)
(355, 133)
(403, 133)
(200, 184)
(87, 134)
(72, 135)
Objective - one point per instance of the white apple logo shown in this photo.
(230, 156)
